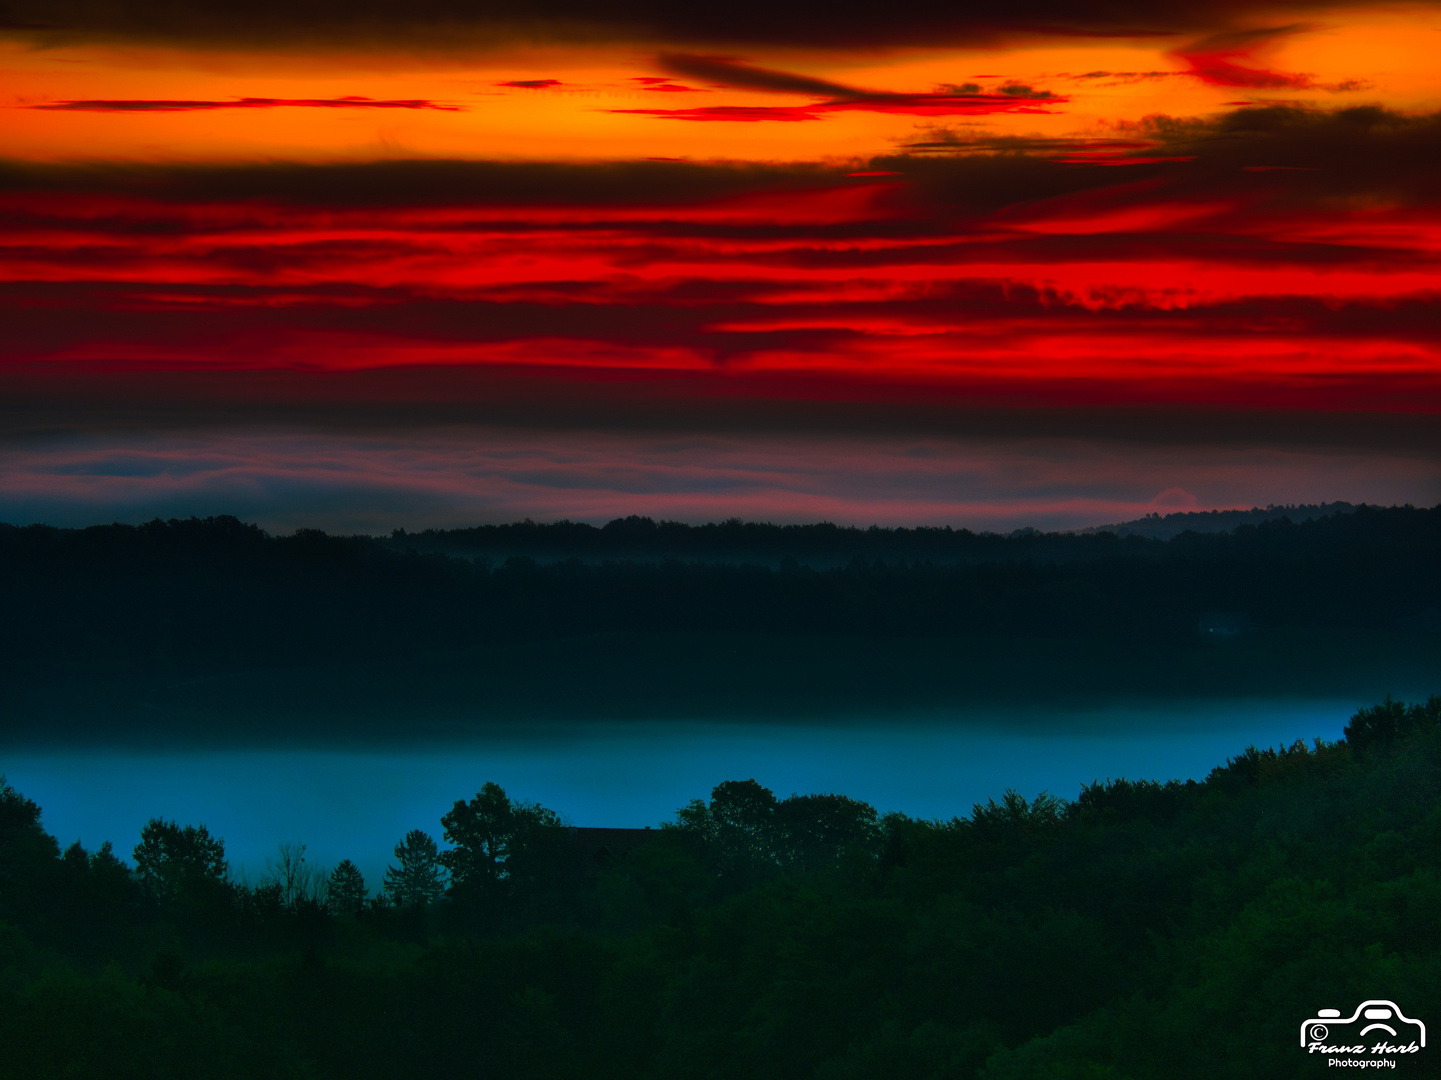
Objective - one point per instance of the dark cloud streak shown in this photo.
(42, 401)
(418, 182)
(1224, 60)
(903, 104)
(455, 26)
(740, 76)
(1316, 156)
(1311, 156)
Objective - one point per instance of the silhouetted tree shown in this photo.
(1383, 724)
(420, 878)
(1015, 811)
(747, 833)
(27, 854)
(297, 880)
(819, 831)
(481, 830)
(738, 828)
(346, 889)
(501, 845)
(91, 900)
(16, 811)
(171, 861)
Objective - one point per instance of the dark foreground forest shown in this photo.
(214, 629)
(1145, 931)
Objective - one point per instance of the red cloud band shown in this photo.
(1003, 274)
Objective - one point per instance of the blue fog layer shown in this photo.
(356, 803)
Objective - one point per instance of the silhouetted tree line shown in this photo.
(1144, 930)
(184, 599)
(1159, 526)
(734, 540)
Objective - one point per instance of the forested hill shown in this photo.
(822, 544)
(1166, 526)
(1145, 931)
(153, 615)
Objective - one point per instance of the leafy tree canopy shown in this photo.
(171, 859)
(494, 837)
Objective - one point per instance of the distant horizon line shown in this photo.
(1154, 518)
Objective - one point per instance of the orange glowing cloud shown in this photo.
(123, 106)
(649, 216)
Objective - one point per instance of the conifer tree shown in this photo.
(419, 879)
(346, 889)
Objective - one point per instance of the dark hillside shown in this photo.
(1167, 526)
(193, 615)
(1143, 931)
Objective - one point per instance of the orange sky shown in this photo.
(1351, 58)
(1234, 212)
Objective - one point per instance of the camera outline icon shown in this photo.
(1375, 1012)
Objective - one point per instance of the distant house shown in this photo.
(1221, 625)
(596, 847)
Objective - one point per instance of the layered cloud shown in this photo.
(622, 249)
(1238, 263)
(374, 482)
(904, 104)
(447, 24)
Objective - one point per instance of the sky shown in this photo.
(355, 802)
(362, 266)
